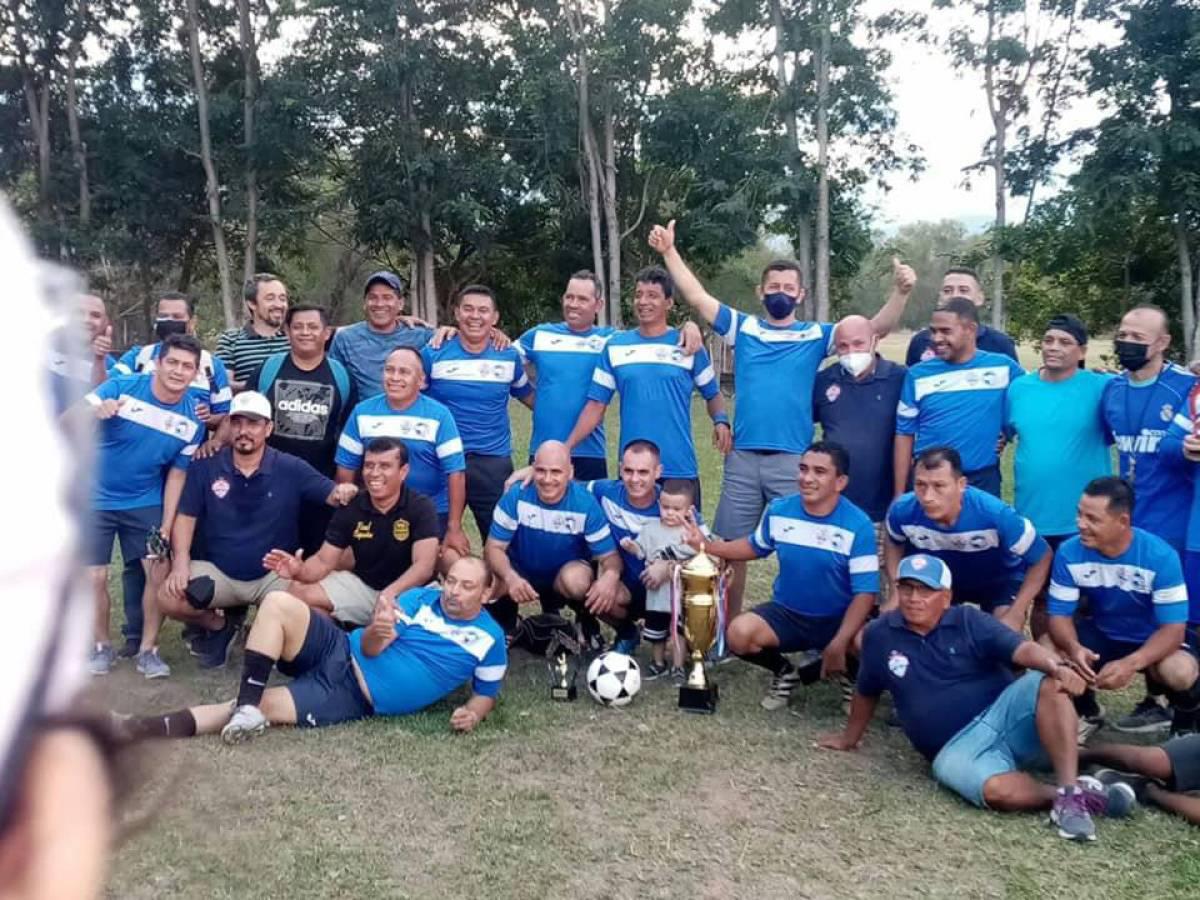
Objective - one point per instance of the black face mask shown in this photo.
(1131, 355)
(164, 328)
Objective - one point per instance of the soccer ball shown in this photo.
(613, 679)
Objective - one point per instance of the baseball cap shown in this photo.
(251, 403)
(391, 279)
(929, 570)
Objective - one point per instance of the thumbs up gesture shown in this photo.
(663, 239)
(904, 277)
(102, 343)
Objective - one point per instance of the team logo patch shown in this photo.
(1167, 412)
(400, 529)
(362, 531)
(919, 563)
(220, 487)
(833, 392)
(897, 663)
(928, 354)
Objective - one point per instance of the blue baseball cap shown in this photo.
(929, 570)
(391, 279)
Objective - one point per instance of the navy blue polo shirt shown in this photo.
(242, 517)
(940, 681)
(861, 416)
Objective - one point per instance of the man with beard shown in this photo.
(244, 349)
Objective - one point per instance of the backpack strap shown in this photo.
(270, 371)
(341, 378)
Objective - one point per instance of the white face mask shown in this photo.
(856, 363)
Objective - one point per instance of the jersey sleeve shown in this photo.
(450, 446)
(761, 540)
(596, 531)
(1181, 426)
(1063, 593)
(1170, 593)
(703, 376)
(106, 390)
(906, 409)
(892, 521)
(864, 561)
(1014, 368)
(337, 347)
(827, 336)
(191, 501)
(1020, 538)
(504, 516)
(183, 458)
(604, 383)
(520, 386)
(219, 393)
(524, 346)
(341, 526)
(124, 365)
(726, 324)
(314, 487)
(427, 363)
(350, 446)
(489, 674)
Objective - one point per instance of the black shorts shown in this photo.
(485, 484)
(797, 631)
(1184, 754)
(989, 599)
(325, 689)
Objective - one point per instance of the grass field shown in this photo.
(574, 800)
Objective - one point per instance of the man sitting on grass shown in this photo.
(950, 674)
(413, 654)
(1167, 776)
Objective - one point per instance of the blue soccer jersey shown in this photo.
(426, 428)
(432, 655)
(767, 357)
(71, 377)
(625, 520)
(959, 405)
(823, 560)
(655, 379)
(136, 447)
(210, 386)
(542, 538)
(1129, 596)
(564, 361)
(990, 544)
(475, 387)
(1138, 416)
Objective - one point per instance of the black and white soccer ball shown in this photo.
(613, 679)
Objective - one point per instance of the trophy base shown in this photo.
(702, 701)
(564, 694)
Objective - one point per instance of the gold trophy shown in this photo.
(699, 576)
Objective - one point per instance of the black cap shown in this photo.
(1071, 325)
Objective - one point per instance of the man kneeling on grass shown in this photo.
(949, 671)
(412, 654)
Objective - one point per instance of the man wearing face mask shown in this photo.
(776, 359)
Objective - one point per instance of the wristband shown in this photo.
(721, 419)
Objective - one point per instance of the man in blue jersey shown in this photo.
(435, 450)
(950, 674)
(1137, 603)
(419, 648)
(474, 381)
(655, 378)
(81, 356)
(775, 360)
(543, 539)
(998, 559)
(959, 281)
(1138, 407)
(1183, 437)
(955, 400)
(828, 576)
(148, 434)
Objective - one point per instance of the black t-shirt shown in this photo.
(309, 413)
(382, 542)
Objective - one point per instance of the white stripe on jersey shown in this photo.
(904, 411)
(504, 520)
(350, 444)
(603, 379)
(490, 673)
(985, 378)
(656, 354)
(706, 375)
(752, 327)
(549, 342)
(157, 418)
(77, 369)
(623, 518)
(1176, 594)
(963, 541)
(414, 428)
(470, 638)
(554, 521)
(802, 533)
(1062, 592)
(598, 535)
(485, 370)
(1183, 422)
(1135, 579)
(449, 448)
(860, 564)
(1025, 541)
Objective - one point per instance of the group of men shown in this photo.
(332, 486)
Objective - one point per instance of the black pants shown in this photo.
(505, 610)
(485, 484)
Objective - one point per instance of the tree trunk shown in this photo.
(212, 185)
(612, 225)
(588, 149)
(821, 281)
(38, 101)
(249, 99)
(998, 230)
(429, 298)
(804, 255)
(78, 150)
(1187, 293)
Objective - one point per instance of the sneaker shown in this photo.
(678, 675)
(1070, 813)
(212, 650)
(1088, 726)
(653, 670)
(1136, 783)
(101, 659)
(247, 722)
(1185, 721)
(129, 650)
(1116, 800)
(1148, 717)
(150, 664)
(780, 690)
(846, 686)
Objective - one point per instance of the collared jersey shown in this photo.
(655, 379)
(426, 428)
(431, 656)
(1187, 422)
(989, 545)
(363, 352)
(1137, 417)
(823, 560)
(475, 387)
(210, 386)
(959, 405)
(564, 361)
(542, 538)
(766, 357)
(135, 447)
(920, 348)
(242, 518)
(940, 681)
(1130, 595)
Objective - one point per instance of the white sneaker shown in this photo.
(247, 722)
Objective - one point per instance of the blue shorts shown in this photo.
(129, 526)
(989, 599)
(325, 689)
(1003, 738)
(1191, 577)
(797, 631)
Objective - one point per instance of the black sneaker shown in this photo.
(1185, 721)
(130, 649)
(212, 650)
(654, 670)
(1148, 717)
(1139, 783)
(781, 689)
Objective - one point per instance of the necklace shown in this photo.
(1141, 419)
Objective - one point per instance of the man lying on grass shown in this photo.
(1167, 776)
(414, 652)
(950, 674)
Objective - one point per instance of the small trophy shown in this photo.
(699, 576)
(562, 659)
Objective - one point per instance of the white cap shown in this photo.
(251, 403)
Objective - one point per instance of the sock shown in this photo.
(256, 670)
(1086, 706)
(627, 630)
(179, 724)
(1186, 701)
(770, 659)
(1154, 687)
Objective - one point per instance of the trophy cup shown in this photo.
(699, 576)
(564, 673)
